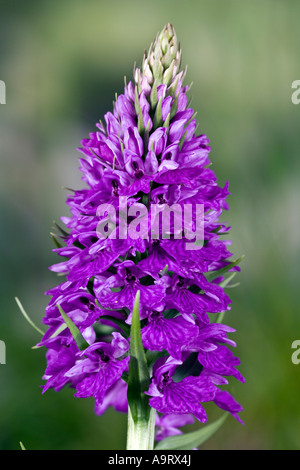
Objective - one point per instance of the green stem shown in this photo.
(140, 432)
(141, 416)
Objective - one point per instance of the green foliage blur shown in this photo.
(62, 63)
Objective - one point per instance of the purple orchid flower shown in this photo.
(101, 367)
(146, 158)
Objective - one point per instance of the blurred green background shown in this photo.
(62, 63)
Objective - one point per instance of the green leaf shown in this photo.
(158, 70)
(158, 114)
(141, 127)
(168, 74)
(62, 231)
(167, 122)
(136, 100)
(173, 87)
(227, 280)
(118, 322)
(56, 242)
(22, 446)
(233, 285)
(102, 330)
(174, 106)
(214, 274)
(181, 142)
(90, 286)
(61, 328)
(220, 317)
(152, 357)
(138, 378)
(190, 440)
(191, 366)
(27, 317)
(153, 95)
(124, 376)
(78, 338)
(172, 313)
(224, 284)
